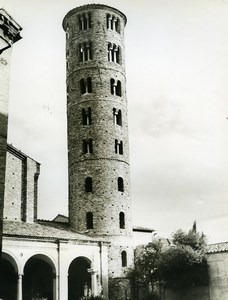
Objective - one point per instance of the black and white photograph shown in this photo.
(113, 150)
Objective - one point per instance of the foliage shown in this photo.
(178, 266)
(182, 266)
(147, 260)
(194, 239)
(185, 264)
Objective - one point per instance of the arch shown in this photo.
(8, 277)
(11, 260)
(39, 272)
(79, 279)
(122, 220)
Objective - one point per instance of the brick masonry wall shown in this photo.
(103, 165)
(13, 188)
(20, 187)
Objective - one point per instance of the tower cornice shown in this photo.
(92, 6)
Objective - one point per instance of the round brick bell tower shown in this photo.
(98, 146)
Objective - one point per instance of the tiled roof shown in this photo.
(220, 247)
(44, 230)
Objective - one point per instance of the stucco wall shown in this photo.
(218, 275)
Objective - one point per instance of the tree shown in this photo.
(181, 265)
(146, 274)
(185, 264)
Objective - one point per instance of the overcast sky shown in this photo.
(177, 90)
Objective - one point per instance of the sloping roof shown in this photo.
(44, 230)
(61, 218)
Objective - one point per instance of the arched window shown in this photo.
(113, 23)
(85, 51)
(124, 258)
(122, 220)
(115, 87)
(89, 220)
(88, 185)
(86, 116)
(120, 184)
(84, 21)
(86, 85)
(118, 147)
(118, 89)
(87, 146)
(113, 53)
(117, 114)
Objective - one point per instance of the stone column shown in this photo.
(19, 287)
(93, 281)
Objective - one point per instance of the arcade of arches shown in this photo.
(38, 281)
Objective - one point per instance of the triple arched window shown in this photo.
(84, 21)
(113, 23)
(85, 51)
(114, 53)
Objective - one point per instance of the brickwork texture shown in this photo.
(98, 144)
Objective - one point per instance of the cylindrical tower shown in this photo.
(98, 146)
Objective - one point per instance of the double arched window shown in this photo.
(115, 87)
(86, 85)
(117, 114)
